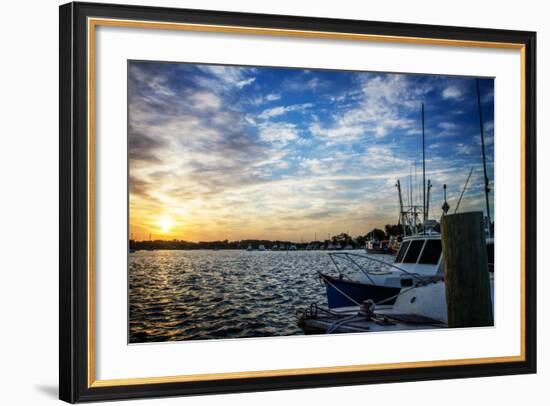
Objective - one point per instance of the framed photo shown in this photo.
(256, 202)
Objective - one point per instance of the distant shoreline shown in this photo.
(240, 245)
(338, 242)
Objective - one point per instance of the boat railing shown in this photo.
(351, 258)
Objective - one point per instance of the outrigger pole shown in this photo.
(463, 189)
(401, 209)
(487, 190)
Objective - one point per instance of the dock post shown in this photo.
(467, 286)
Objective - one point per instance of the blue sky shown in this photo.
(223, 152)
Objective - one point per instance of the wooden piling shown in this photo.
(466, 273)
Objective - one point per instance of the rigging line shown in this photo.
(339, 291)
(483, 154)
(394, 296)
(463, 190)
(346, 256)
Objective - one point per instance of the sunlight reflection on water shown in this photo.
(205, 294)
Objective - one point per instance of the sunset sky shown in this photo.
(220, 152)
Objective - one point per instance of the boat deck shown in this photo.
(350, 320)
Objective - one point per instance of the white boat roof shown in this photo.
(431, 236)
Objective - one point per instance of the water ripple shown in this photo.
(195, 295)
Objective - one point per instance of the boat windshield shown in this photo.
(431, 253)
(411, 256)
(402, 251)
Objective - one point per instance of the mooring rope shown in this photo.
(339, 323)
(388, 299)
(342, 293)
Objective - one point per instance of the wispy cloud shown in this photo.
(452, 92)
(278, 132)
(386, 104)
(339, 131)
(280, 110)
(304, 83)
(260, 100)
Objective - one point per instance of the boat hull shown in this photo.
(380, 251)
(343, 293)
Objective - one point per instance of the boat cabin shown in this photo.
(420, 254)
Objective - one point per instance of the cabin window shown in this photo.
(402, 251)
(414, 251)
(431, 253)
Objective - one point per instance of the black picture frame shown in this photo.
(74, 385)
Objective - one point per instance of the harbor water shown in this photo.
(179, 295)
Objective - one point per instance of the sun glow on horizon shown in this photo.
(166, 223)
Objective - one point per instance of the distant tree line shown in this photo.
(343, 240)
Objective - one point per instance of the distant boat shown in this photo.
(275, 247)
(249, 248)
(261, 247)
(348, 247)
(292, 247)
(378, 247)
(337, 246)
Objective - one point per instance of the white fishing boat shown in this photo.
(419, 258)
(408, 292)
(373, 278)
(261, 247)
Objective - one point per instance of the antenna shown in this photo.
(427, 215)
(415, 183)
(487, 190)
(424, 171)
(410, 186)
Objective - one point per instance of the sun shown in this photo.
(166, 223)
